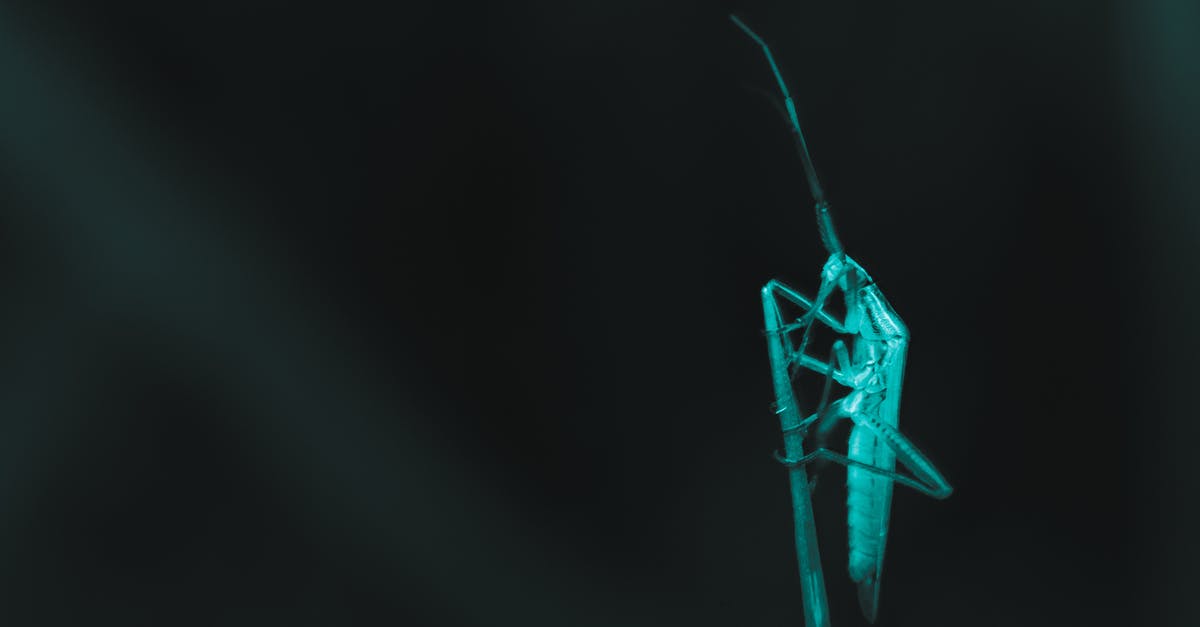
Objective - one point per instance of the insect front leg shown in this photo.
(774, 290)
(812, 308)
(840, 272)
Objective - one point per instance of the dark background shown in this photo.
(448, 314)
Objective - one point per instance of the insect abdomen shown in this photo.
(863, 507)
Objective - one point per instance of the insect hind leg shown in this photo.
(939, 489)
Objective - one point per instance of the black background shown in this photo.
(448, 314)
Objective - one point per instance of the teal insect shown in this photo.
(872, 368)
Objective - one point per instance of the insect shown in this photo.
(872, 368)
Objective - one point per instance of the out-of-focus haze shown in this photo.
(368, 314)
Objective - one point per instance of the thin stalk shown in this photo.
(808, 555)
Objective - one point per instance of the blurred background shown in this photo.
(448, 314)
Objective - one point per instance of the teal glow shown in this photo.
(868, 359)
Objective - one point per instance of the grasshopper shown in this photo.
(872, 368)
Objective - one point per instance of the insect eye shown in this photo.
(852, 277)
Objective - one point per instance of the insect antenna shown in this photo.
(824, 220)
(771, 98)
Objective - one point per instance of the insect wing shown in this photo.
(885, 457)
